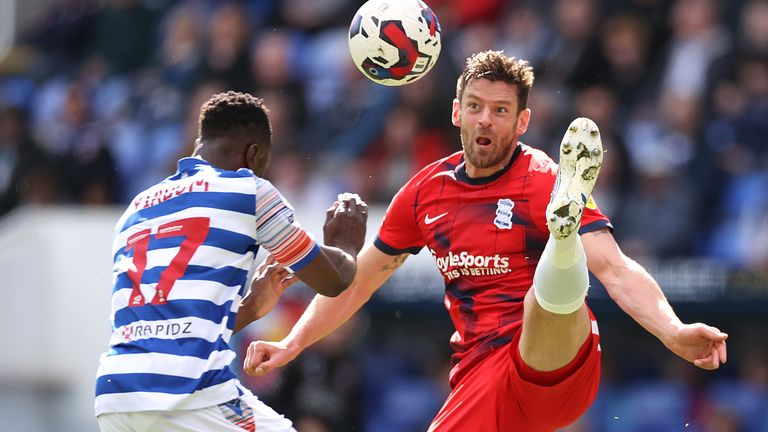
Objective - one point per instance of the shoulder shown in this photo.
(266, 191)
(425, 181)
(437, 169)
(537, 161)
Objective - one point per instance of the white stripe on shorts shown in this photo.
(247, 413)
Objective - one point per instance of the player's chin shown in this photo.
(707, 364)
(484, 158)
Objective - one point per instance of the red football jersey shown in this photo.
(486, 236)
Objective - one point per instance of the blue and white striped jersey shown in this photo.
(183, 254)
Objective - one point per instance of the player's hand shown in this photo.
(264, 356)
(345, 223)
(700, 344)
(269, 283)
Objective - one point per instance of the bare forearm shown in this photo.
(241, 321)
(629, 285)
(246, 316)
(323, 316)
(330, 273)
(269, 282)
(638, 294)
(342, 261)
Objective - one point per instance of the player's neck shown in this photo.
(477, 173)
(485, 175)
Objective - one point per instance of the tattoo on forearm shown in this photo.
(602, 231)
(396, 263)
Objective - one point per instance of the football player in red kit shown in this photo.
(514, 236)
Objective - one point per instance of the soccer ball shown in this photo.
(394, 42)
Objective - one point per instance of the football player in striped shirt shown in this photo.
(513, 235)
(184, 258)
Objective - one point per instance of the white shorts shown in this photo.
(247, 413)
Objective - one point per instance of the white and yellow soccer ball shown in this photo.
(394, 42)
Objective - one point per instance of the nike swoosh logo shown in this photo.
(428, 220)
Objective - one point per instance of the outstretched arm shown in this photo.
(325, 314)
(638, 294)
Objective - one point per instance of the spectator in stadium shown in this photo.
(527, 354)
(27, 173)
(167, 367)
(226, 54)
(80, 147)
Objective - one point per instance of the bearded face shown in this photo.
(490, 125)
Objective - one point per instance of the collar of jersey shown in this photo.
(461, 170)
(189, 163)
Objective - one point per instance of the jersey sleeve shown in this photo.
(592, 220)
(399, 232)
(278, 231)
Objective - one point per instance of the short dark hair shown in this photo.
(495, 66)
(232, 114)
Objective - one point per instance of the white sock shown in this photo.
(561, 280)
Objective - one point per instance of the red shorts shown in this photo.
(501, 393)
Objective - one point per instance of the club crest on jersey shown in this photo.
(504, 213)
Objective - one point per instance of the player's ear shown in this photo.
(257, 158)
(198, 146)
(455, 115)
(522, 121)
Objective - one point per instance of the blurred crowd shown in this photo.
(99, 99)
(387, 372)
